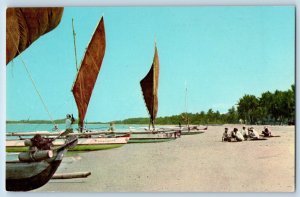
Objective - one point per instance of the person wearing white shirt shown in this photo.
(253, 133)
(238, 135)
(69, 122)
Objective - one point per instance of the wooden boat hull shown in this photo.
(149, 140)
(25, 176)
(191, 132)
(83, 144)
(79, 147)
(90, 147)
(151, 137)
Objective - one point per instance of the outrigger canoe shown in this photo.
(86, 142)
(25, 175)
(149, 137)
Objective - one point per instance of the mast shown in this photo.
(186, 107)
(154, 86)
(74, 38)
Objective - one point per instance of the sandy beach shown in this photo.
(195, 163)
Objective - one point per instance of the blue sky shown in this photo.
(221, 53)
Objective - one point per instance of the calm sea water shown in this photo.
(49, 127)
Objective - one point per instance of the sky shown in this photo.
(218, 53)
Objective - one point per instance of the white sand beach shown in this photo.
(195, 163)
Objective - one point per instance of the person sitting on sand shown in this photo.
(232, 134)
(253, 134)
(266, 132)
(226, 136)
(238, 135)
(244, 132)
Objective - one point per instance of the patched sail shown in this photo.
(88, 71)
(150, 88)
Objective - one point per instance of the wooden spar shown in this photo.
(39, 155)
(74, 36)
(153, 87)
(186, 107)
(72, 175)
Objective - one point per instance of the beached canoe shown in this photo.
(29, 175)
(191, 132)
(148, 137)
(84, 144)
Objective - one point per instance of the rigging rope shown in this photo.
(32, 81)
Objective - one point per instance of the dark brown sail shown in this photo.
(88, 71)
(25, 25)
(150, 88)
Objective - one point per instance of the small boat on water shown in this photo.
(29, 175)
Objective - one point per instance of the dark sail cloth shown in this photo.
(149, 85)
(88, 72)
(25, 25)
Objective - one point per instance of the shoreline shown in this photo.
(198, 163)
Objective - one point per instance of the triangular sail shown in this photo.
(88, 71)
(150, 88)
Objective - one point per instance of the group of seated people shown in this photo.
(244, 134)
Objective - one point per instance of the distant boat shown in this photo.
(190, 129)
(25, 175)
(149, 85)
(83, 87)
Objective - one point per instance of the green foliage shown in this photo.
(277, 107)
(248, 108)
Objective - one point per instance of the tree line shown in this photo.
(269, 108)
(274, 108)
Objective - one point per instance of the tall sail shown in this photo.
(88, 71)
(150, 88)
